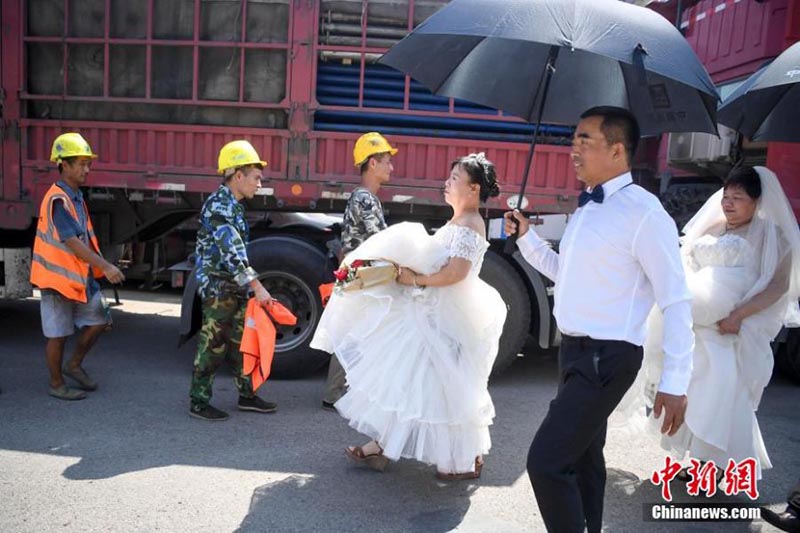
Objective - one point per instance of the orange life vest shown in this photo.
(54, 265)
(258, 338)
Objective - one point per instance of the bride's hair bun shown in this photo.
(480, 171)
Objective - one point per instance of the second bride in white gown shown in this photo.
(741, 254)
(418, 352)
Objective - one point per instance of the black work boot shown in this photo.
(208, 412)
(256, 404)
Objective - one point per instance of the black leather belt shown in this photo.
(585, 342)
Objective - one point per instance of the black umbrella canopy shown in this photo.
(766, 107)
(494, 52)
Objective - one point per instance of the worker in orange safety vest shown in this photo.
(65, 266)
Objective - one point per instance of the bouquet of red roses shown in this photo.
(364, 273)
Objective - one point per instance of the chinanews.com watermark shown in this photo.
(703, 480)
(700, 512)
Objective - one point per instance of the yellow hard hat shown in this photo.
(370, 144)
(238, 154)
(70, 145)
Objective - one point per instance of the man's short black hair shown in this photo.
(365, 165)
(619, 126)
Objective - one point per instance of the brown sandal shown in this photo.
(460, 476)
(375, 461)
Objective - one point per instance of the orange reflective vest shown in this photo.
(325, 292)
(258, 338)
(54, 265)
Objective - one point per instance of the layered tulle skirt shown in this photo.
(417, 360)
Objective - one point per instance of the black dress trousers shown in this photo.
(565, 461)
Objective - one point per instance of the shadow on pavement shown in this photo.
(406, 498)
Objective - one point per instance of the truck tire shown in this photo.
(292, 270)
(498, 273)
(787, 356)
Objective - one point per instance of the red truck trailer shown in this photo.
(158, 86)
(733, 38)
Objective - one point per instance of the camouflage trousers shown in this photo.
(220, 336)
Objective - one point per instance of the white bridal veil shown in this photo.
(773, 230)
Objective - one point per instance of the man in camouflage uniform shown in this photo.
(363, 217)
(225, 278)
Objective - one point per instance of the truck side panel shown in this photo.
(733, 38)
(166, 157)
(15, 211)
(182, 158)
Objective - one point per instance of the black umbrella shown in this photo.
(766, 107)
(549, 60)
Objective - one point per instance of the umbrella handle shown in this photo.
(511, 241)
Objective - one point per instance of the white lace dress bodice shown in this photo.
(463, 242)
(728, 250)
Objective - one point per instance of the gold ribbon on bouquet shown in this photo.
(371, 274)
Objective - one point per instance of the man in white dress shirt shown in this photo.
(618, 256)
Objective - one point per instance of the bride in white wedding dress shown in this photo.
(742, 258)
(418, 352)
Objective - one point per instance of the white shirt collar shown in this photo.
(615, 184)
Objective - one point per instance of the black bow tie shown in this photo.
(596, 195)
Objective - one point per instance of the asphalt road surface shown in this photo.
(129, 458)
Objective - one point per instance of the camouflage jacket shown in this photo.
(222, 263)
(363, 217)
